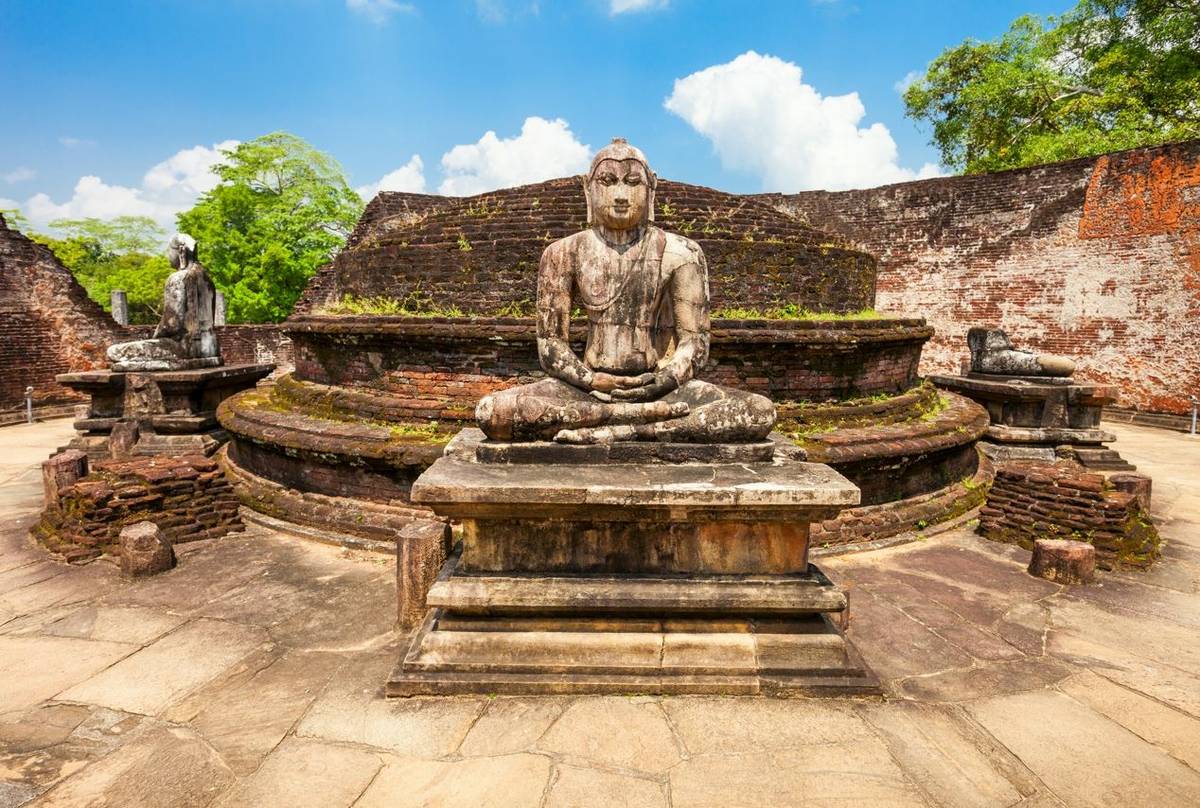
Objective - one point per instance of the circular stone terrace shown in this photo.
(429, 308)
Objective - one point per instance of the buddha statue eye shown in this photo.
(608, 179)
(633, 179)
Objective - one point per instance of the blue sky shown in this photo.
(117, 106)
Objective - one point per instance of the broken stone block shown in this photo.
(62, 471)
(421, 550)
(144, 550)
(1063, 561)
(122, 439)
(1137, 484)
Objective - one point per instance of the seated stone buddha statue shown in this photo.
(185, 337)
(645, 295)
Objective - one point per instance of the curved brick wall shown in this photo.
(481, 253)
(1097, 259)
(440, 367)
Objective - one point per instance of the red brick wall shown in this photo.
(48, 325)
(1097, 259)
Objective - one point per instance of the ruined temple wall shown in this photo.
(48, 325)
(1096, 258)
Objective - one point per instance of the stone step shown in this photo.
(761, 595)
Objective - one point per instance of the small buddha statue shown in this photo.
(185, 337)
(645, 295)
(993, 352)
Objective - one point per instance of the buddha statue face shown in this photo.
(181, 250)
(619, 194)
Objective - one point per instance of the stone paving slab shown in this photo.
(162, 672)
(252, 675)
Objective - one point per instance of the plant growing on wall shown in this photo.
(1105, 76)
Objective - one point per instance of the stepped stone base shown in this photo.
(166, 412)
(649, 577)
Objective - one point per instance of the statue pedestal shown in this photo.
(156, 412)
(652, 576)
(1042, 418)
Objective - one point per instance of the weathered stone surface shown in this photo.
(153, 678)
(37, 668)
(1063, 561)
(144, 550)
(509, 781)
(575, 787)
(1172, 731)
(625, 733)
(159, 768)
(1043, 728)
(115, 624)
(185, 337)
(421, 550)
(948, 760)
(511, 725)
(742, 726)
(306, 773)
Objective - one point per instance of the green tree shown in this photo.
(1107, 75)
(122, 253)
(281, 210)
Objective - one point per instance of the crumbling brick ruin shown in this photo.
(1096, 259)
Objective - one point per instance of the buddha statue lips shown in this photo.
(645, 293)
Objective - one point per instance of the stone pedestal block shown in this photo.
(156, 412)
(1063, 561)
(655, 576)
(62, 471)
(1041, 418)
(421, 550)
(144, 550)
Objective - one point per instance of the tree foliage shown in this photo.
(1107, 75)
(122, 253)
(281, 210)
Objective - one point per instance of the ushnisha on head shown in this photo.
(620, 188)
(181, 250)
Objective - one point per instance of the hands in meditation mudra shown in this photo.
(645, 293)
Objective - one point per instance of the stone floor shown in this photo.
(251, 675)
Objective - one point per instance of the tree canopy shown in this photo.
(121, 253)
(281, 210)
(1105, 76)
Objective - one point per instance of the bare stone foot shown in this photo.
(591, 435)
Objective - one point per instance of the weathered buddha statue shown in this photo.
(645, 295)
(993, 352)
(185, 337)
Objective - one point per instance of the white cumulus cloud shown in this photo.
(762, 118)
(379, 11)
(168, 188)
(909, 79)
(408, 177)
(544, 150)
(622, 6)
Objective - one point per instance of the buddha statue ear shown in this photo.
(587, 196)
(651, 184)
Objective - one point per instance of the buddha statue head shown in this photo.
(619, 188)
(181, 250)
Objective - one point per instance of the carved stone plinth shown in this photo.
(159, 412)
(1042, 418)
(652, 577)
(1063, 561)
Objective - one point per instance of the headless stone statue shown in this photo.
(993, 352)
(645, 293)
(184, 338)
